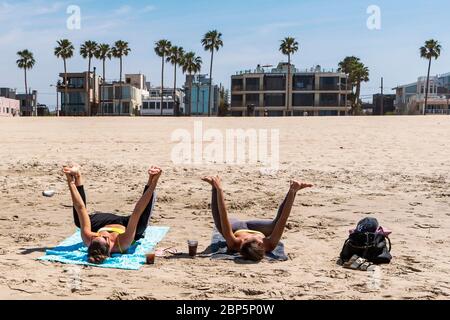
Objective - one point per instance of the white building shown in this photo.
(410, 98)
(9, 107)
(151, 102)
(123, 99)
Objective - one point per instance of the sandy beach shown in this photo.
(396, 169)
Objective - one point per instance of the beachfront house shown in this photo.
(82, 96)
(314, 92)
(198, 100)
(410, 98)
(123, 99)
(151, 102)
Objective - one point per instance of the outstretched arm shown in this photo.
(78, 203)
(272, 241)
(227, 232)
(127, 238)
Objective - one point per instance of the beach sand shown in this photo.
(396, 169)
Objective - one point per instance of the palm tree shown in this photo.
(120, 50)
(87, 51)
(288, 47)
(431, 49)
(26, 62)
(64, 50)
(162, 49)
(192, 65)
(357, 73)
(212, 41)
(175, 57)
(102, 53)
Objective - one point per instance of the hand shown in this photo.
(297, 185)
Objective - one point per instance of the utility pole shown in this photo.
(382, 98)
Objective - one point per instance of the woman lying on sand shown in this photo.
(252, 238)
(106, 233)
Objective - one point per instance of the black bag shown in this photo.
(367, 243)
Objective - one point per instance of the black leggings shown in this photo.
(264, 226)
(100, 219)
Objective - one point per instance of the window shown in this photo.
(152, 105)
(329, 83)
(328, 113)
(275, 99)
(145, 105)
(303, 99)
(329, 99)
(303, 83)
(252, 99)
(126, 107)
(237, 84)
(273, 83)
(252, 84)
(169, 105)
(237, 100)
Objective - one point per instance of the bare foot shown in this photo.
(297, 185)
(74, 170)
(209, 179)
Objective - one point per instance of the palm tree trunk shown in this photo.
(198, 97)
(88, 87)
(357, 93)
(26, 85)
(175, 105)
(65, 86)
(427, 88)
(162, 84)
(288, 86)
(102, 86)
(210, 83)
(190, 93)
(120, 87)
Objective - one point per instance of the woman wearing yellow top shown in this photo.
(251, 238)
(106, 233)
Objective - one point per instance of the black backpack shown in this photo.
(367, 243)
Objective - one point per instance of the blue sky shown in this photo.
(326, 30)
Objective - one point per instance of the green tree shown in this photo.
(357, 73)
(288, 47)
(191, 65)
(26, 62)
(431, 49)
(212, 41)
(162, 49)
(176, 57)
(64, 50)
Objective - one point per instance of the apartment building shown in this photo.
(314, 92)
(151, 102)
(410, 98)
(198, 100)
(123, 99)
(82, 97)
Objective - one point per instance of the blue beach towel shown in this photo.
(73, 251)
(219, 250)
